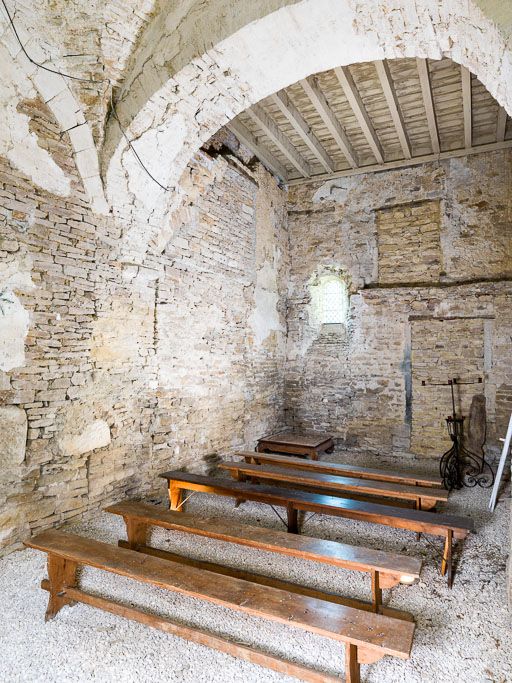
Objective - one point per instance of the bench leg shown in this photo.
(376, 592)
(61, 575)
(418, 507)
(137, 533)
(292, 516)
(352, 668)
(238, 476)
(446, 564)
(175, 497)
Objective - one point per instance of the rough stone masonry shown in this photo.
(113, 371)
(426, 253)
(119, 370)
(130, 344)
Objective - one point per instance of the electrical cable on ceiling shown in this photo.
(83, 80)
(42, 66)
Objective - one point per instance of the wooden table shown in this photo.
(309, 444)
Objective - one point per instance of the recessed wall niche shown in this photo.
(408, 238)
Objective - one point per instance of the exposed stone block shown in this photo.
(13, 438)
(95, 435)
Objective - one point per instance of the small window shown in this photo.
(333, 302)
(329, 299)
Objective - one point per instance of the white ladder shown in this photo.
(501, 466)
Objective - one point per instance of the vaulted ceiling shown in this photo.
(372, 116)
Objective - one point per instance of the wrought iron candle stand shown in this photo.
(459, 466)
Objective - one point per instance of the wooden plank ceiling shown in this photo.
(370, 117)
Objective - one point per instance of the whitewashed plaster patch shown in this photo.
(21, 79)
(13, 437)
(14, 319)
(17, 142)
(337, 190)
(265, 318)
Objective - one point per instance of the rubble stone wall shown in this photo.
(112, 372)
(427, 255)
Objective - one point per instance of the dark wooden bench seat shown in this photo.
(446, 526)
(367, 637)
(423, 498)
(386, 569)
(342, 469)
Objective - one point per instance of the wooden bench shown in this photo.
(342, 469)
(447, 526)
(367, 637)
(297, 443)
(386, 569)
(423, 498)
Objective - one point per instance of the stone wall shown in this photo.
(112, 372)
(436, 304)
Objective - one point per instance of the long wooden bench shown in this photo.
(448, 527)
(386, 569)
(367, 637)
(342, 469)
(423, 498)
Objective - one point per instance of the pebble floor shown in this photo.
(462, 634)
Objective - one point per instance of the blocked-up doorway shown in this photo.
(443, 349)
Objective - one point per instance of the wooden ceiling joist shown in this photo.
(405, 163)
(371, 117)
(428, 102)
(323, 108)
(501, 126)
(354, 99)
(388, 88)
(259, 116)
(245, 136)
(467, 106)
(299, 123)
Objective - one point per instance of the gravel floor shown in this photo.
(462, 634)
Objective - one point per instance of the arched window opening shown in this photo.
(334, 309)
(329, 299)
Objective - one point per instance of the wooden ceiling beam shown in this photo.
(300, 124)
(405, 163)
(467, 106)
(428, 102)
(388, 88)
(245, 136)
(354, 99)
(501, 126)
(310, 87)
(259, 116)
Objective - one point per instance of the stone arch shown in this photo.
(306, 37)
(22, 79)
